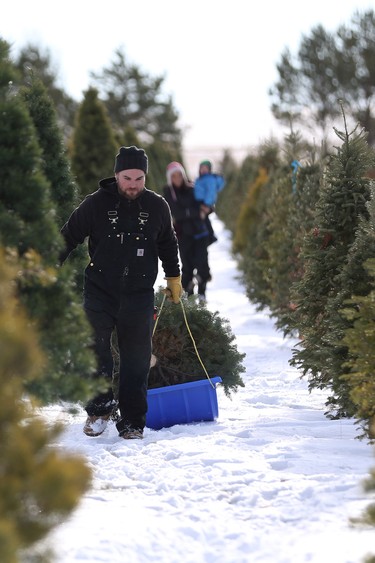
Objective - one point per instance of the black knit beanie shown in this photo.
(131, 157)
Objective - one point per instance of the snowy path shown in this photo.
(272, 480)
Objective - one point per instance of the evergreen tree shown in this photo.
(128, 138)
(358, 298)
(299, 222)
(249, 214)
(249, 224)
(32, 62)
(360, 341)
(293, 195)
(232, 196)
(55, 163)
(329, 66)
(305, 85)
(356, 68)
(341, 205)
(28, 227)
(39, 486)
(279, 247)
(66, 337)
(134, 98)
(368, 517)
(238, 180)
(229, 169)
(26, 213)
(250, 236)
(354, 279)
(94, 146)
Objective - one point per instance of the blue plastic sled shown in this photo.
(195, 401)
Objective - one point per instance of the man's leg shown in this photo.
(103, 325)
(134, 333)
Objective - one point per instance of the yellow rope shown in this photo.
(189, 331)
(194, 344)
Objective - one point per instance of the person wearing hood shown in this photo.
(190, 227)
(129, 228)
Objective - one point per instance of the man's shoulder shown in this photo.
(154, 198)
(98, 195)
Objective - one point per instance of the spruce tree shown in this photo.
(28, 228)
(328, 66)
(251, 234)
(360, 341)
(94, 146)
(228, 198)
(238, 182)
(55, 165)
(128, 138)
(355, 284)
(39, 486)
(293, 196)
(342, 204)
(26, 213)
(249, 214)
(38, 63)
(358, 330)
(243, 207)
(368, 517)
(132, 97)
(55, 162)
(279, 246)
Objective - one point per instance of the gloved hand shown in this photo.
(174, 289)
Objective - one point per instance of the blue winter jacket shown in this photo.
(206, 188)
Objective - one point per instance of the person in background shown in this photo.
(191, 229)
(206, 189)
(129, 228)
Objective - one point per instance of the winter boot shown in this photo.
(95, 425)
(131, 433)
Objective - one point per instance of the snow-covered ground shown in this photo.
(272, 480)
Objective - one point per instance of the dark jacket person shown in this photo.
(129, 228)
(191, 229)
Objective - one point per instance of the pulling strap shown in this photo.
(189, 331)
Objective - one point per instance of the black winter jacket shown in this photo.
(126, 239)
(185, 211)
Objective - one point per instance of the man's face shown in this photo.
(130, 183)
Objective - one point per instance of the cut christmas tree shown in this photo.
(193, 350)
(176, 360)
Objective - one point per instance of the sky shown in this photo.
(272, 480)
(218, 58)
